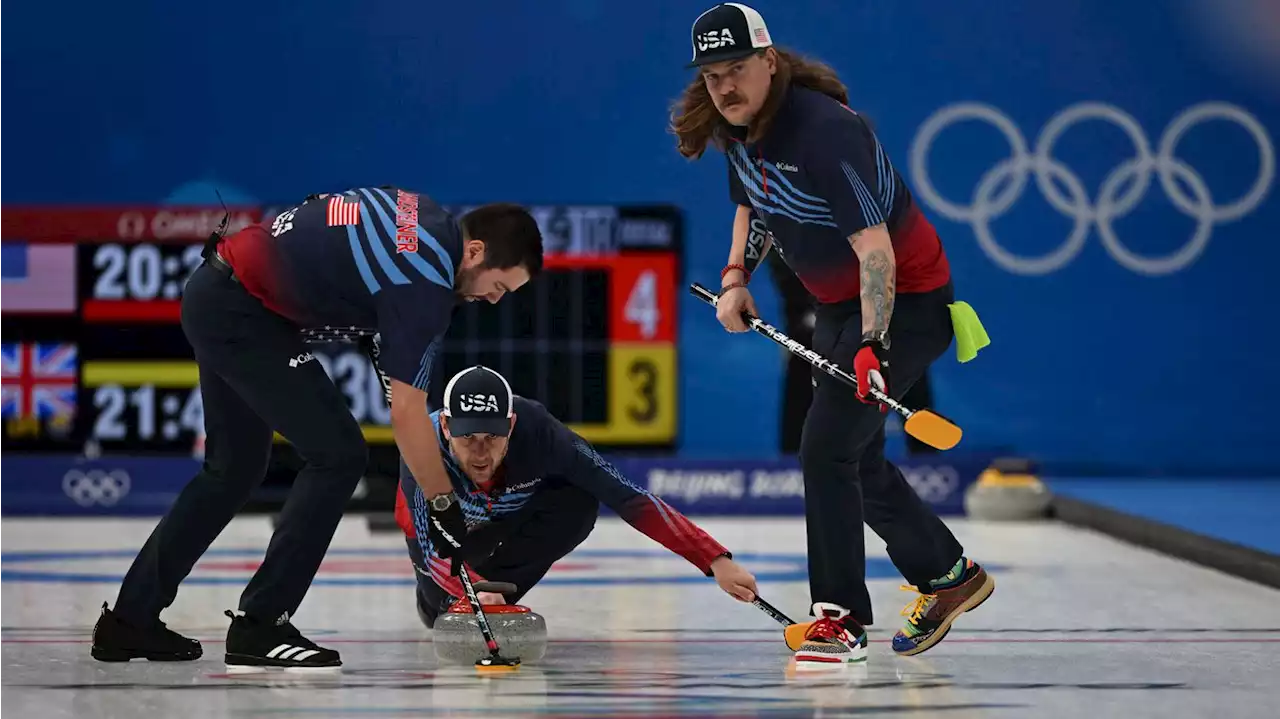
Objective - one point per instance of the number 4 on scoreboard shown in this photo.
(642, 296)
(642, 305)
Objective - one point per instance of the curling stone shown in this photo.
(520, 632)
(1008, 490)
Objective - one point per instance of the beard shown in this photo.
(490, 474)
(482, 477)
(463, 283)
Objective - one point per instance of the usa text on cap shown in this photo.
(728, 31)
(478, 401)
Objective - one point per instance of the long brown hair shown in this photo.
(695, 121)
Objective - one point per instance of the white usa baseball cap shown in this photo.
(478, 401)
(728, 31)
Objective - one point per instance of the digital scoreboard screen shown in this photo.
(593, 338)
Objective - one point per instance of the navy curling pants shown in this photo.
(520, 548)
(847, 480)
(256, 375)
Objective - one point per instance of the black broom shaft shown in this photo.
(813, 358)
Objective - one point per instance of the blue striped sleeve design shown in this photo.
(419, 263)
(646, 512)
(884, 170)
(419, 514)
(871, 212)
(378, 240)
(604, 465)
(612, 472)
(424, 368)
(425, 268)
(362, 262)
(782, 198)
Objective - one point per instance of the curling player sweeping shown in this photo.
(381, 260)
(810, 173)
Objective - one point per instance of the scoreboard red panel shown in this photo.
(643, 299)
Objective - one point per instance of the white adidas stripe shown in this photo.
(289, 651)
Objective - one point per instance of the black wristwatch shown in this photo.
(881, 338)
(441, 502)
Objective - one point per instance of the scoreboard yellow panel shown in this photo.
(641, 388)
(169, 375)
(642, 394)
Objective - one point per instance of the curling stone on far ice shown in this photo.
(1007, 490)
(520, 631)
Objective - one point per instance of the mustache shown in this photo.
(732, 99)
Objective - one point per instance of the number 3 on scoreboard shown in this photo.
(642, 392)
(643, 372)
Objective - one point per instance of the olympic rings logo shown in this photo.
(1133, 175)
(96, 486)
(933, 484)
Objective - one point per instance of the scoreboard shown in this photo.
(95, 355)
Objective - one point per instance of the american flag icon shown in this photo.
(39, 379)
(762, 35)
(343, 211)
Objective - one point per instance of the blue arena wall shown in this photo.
(1139, 341)
(67, 485)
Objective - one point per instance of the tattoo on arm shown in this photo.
(879, 283)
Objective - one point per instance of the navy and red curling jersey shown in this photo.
(376, 258)
(819, 175)
(541, 450)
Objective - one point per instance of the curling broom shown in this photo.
(924, 424)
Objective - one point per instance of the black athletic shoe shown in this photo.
(115, 640)
(254, 643)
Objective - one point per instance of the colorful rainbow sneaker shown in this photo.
(833, 640)
(930, 616)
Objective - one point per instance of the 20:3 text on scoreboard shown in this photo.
(140, 282)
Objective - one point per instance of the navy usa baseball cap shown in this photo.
(728, 31)
(478, 401)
